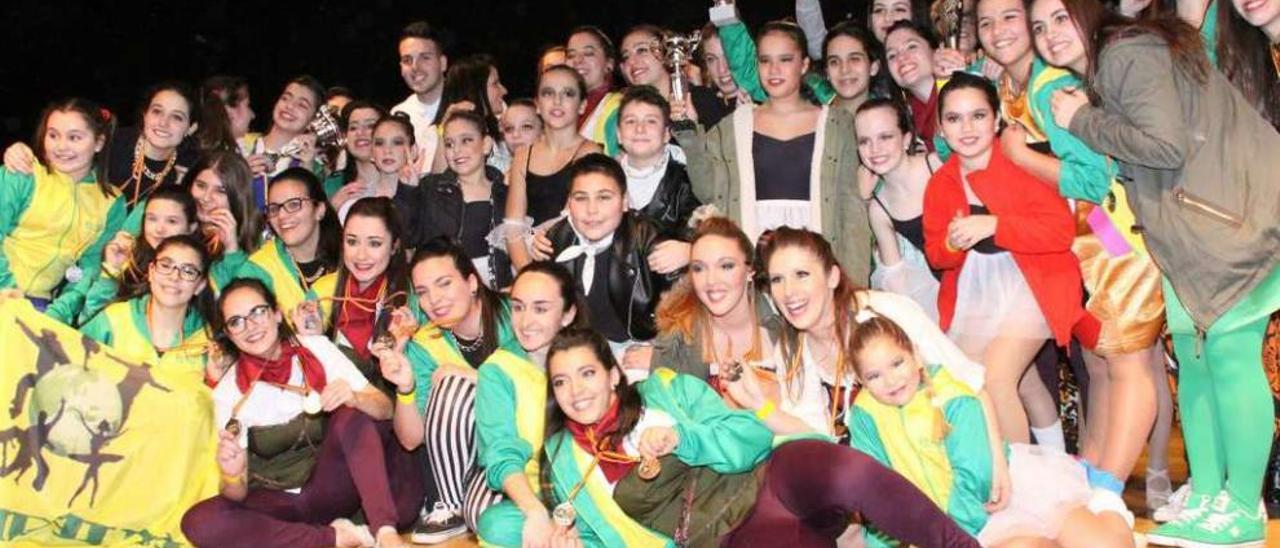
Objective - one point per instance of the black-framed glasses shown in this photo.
(257, 315)
(186, 272)
(292, 205)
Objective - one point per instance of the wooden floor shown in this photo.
(1134, 497)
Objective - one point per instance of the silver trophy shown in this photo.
(679, 47)
(325, 126)
(953, 15)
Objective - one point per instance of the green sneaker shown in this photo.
(1229, 525)
(1176, 531)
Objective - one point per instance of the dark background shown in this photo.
(112, 51)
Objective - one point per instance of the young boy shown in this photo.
(658, 185)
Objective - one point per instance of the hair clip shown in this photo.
(702, 213)
(863, 316)
(105, 114)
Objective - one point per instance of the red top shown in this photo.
(1033, 223)
(924, 115)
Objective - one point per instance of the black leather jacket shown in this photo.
(673, 203)
(632, 286)
(435, 208)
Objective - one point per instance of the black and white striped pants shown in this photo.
(451, 449)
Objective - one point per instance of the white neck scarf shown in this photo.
(643, 182)
(588, 249)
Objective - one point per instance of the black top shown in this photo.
(986, 245)
(546, 194)
(478, 353)
(782, 167)
(311, 271)
(120, 167)
(604, 318)
(477, 219)
(912, 229)
(711, 108)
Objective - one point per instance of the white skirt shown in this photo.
(911, 278)
(1046, 486)
(993, 299)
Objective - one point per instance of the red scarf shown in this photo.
(356, 319)
(593, 99)
(925, 116)
(600, 431)
(252, 368)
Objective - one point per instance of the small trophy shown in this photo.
(678, 47)
(953, 15)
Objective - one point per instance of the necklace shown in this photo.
(473, 345)
(140, 171)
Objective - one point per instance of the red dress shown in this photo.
(1035, 226)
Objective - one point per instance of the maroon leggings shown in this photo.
(360, 466)
(811, 487)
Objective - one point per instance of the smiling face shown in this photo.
(443, 293)
(422, 65)
(910, 60)
(167, 120)
(260, 338)
(294, 108)
(465, 148)
(164, 218)
(641, 62)
(170, 289)
(642, 130)
(718, 73)
(299, 227)
(586, 54)
(596, 205)
(890, 372)
(390, 147)
(360, 133)
(888, 12)
(495, 92)
(802, 287)
(1057, 37)
(1002, 31)
(520, 126)
(559, 100)
(848, 67)
(583, 388)
(968, 123)
(1264, 14)
(720, 274)
(70, 144)
(367, 247)
(881, 143)
(209, 193)
(781, 64)
(538, 310)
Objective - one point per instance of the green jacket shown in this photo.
(432, 346)
(740, 53)
(1201, 168)
(48, 224)
(511, 399)
(727, 441)
(714, 172)
(1085, 174)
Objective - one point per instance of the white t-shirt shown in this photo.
(269, 405)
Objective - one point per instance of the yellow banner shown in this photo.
(96, 448)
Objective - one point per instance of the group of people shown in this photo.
(799, 303)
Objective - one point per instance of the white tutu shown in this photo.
(911, 277)
(772, 214)
(1047, 484)
(993, 299)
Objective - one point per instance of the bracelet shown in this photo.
(406, 398)
(766, 410)
(232, 480)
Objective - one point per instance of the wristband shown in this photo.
(766, 410)
(232, 480)
(406, 398)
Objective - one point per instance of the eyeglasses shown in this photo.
(186, 272)
(292, 205)
(237, 324)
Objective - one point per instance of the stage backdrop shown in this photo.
(95, 448)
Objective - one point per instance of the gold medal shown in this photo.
(732, 372)
(233, 426)
(564, 515)
(649, 468)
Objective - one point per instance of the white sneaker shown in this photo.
(439, 525)
(1171, 509)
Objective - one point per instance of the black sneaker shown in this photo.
(441, 524)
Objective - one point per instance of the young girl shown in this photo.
(306, 440)
(306, 243)
(531, 194)
(1003, 241)
(466, 202)
(520, 125)
(1208, 219)
(888, 149)
(590, 53)
(358, 120)
(712, 478)
(164, 321)
(474, 85)
(287, 143)
(468, 322)
(909, 55)
(853, 63)
(920, 421)
(750, 165)
(644, 63)
(64, 211)
(658, 184)
(393, 150)
(232, 229)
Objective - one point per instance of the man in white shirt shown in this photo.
(422, 65)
